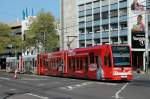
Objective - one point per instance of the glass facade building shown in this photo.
(114, 22)
(100, 23)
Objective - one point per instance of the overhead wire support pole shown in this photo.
(146, 41)
(62, 24)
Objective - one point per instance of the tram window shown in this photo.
(85, 64)
(69, 63)
(50, 63)
(107, 61)
(73, 63)
(55, 61)
(81, 63)
(91, 58)
(96, 58)
(78, 64)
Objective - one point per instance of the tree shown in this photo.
(7, 40)
(17, 44)
(42, 32)
(4, 36)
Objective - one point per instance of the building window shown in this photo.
(89, 43)
(123, 25)
(96, 4)
(81, 7)
(113, 1)
(123, 12)
(89, 6)
(89, 12)
(105, 27)
(89, 18)
(89, 30)
(97, 29)
(123, 39)
(105, 15)
(81, 13)
(97, 16)
(82, 43)
(81, 31)
(81, 19)
(96, 10)
(114, 40)
(97, 41)
(114, 26)
(81, 25)
(104, 2)
(122, 0)
(114, 13)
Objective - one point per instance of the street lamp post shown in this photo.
(62, 23)
(146, 42)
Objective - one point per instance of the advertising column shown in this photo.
(137, 23)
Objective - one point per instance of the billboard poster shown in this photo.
(138, 9)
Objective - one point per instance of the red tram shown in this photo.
(103, 62)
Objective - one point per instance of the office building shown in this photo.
(110, 22)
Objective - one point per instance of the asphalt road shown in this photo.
(46, 87)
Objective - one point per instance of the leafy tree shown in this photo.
(4, 36)
(8, 40)
(42, 32)
(17, 43)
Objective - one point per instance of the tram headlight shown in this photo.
(129, 72)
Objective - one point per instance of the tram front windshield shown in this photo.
(121, 56)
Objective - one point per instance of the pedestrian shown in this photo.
(16, 71)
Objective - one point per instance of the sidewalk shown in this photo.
(142, 75)
(4, 74)
(2, 70)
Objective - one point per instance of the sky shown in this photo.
(11, 10)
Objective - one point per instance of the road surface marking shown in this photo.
(37, 96)
(12, 89)
(119, 91)
(40, 85)
(4, 78)
(35, 75)
(71, 87)
(35, 79)
(103, 83)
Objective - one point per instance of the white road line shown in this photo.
(12, 89)
(32, 79)
(40, 85)
(71, 87)
(119, 91)
(37, 96)
(110, 84)
(4, 78)
(35, 75)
